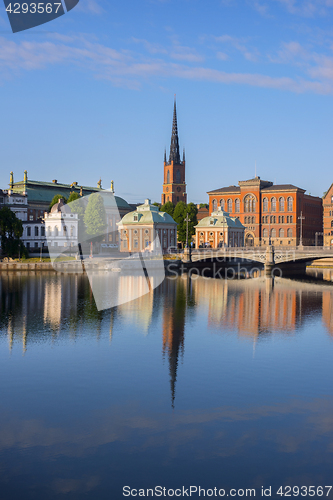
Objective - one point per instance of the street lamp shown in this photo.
(316, 237)
(187, 220)
(301, 218)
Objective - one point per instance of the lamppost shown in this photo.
(301, 218)
(187, 220)
(316, 237)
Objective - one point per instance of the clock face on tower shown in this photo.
(179, 189)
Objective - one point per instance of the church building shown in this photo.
(174, 186)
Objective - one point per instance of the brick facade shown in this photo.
(266, 209)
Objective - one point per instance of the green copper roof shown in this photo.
(220, 219)
(43, 192)
(147, 214)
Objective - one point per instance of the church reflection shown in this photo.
(38, 308)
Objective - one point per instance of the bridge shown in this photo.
(270, 256)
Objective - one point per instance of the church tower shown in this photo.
(174, 187)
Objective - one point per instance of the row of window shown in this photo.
(42, 231)
(250, 204)
(281, 219)
(281, 233)
(65, 230)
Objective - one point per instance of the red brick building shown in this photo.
(328, 217)
(174, 186)
(268, 210)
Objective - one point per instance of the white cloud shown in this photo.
(125, 68)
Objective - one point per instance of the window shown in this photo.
(263, 219)
(281, 233)
(331, 223)
(42, 231)
(56, 231)
(290, 233)
(237, 205)
(125, 243)
(265, 233)
(214, 205)
(249, 203)
(36, 244)
(273, 204)
(281, 204)
(28, 245)
(147, 231)
(273, 219)
(135, 218)
(222, 204)
(289, 204)
(291, 219)
(136, 243)
(72, 231)
(31, 217)
(28, 231)
(253, 220)
(229, 204)
(65, 229)
(178, 177)
(168, 177)
(49, 231)
(273, 233)
(265, 205)
(282, 219)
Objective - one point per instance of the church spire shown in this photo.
(174, 147)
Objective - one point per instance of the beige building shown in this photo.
(138, 230)
(219, 230)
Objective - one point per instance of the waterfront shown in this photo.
(217, 383)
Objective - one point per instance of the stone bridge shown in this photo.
(270, 256)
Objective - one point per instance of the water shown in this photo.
(202, 382)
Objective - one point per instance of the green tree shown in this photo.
(56, 198)
(179, 215)
(156, 204)
(203, 205)
(95, 218)
(73, 196)
(168, 207)
(11, 230)
(78, 206)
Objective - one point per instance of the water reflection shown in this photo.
(77, 406)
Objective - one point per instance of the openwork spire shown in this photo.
(174, 147)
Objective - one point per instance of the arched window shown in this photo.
(168, 177)
(229, 204)
(65, 229)
(265, 205)
(273, 233)
(253, 220)
(249, 203)
(281, 233)
(72, 230)
(222, 202)
(265, 233)
(48, 231)
(237, 205)
(281, 204)
(273, 204)
(56, 231)
(245, 220)
(289, 204)
(290, 233)
(214, 205)
(331, 223)
(178, 177)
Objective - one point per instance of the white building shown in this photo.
(61, 227)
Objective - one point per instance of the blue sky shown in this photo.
(90, 94)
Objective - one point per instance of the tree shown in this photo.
(95, 218)
(56, 198)
(78, 206)
(179, 215)
(11, 230)
(168, 207)
(73, 196)
(203, 205)
(156, 204)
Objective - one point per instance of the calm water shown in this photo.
(202, 382)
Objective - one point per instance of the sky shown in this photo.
(90, 94)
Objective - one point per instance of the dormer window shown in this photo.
(135, 218)
(211, 222)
